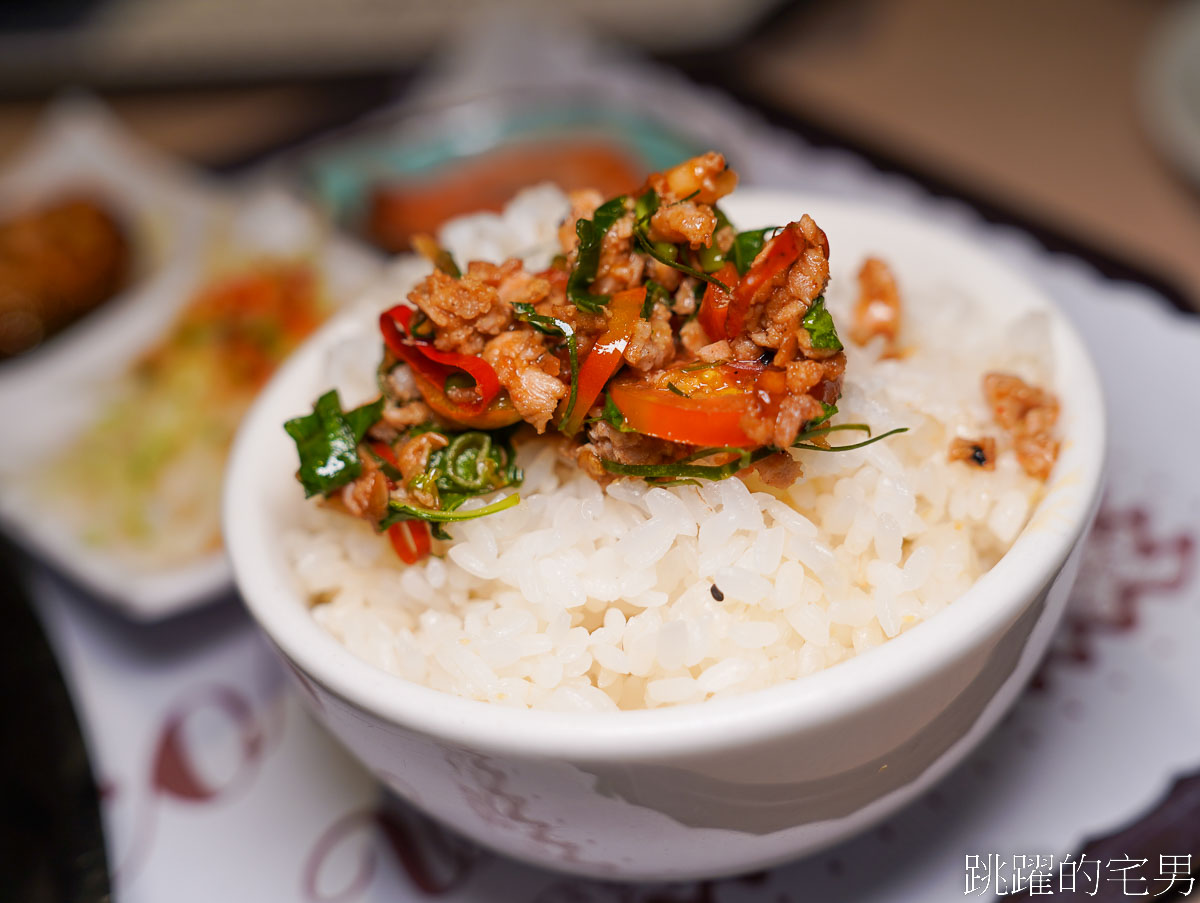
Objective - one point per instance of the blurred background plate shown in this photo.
(413, 166)
(112, 468)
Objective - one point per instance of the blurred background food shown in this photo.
(57, 262)
(1034, 107)
(145, 476)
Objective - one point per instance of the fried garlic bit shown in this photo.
(979, 452)
(1028, 414)
(877, 312)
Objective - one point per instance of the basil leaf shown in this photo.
(386, 467)
(591, 234)
(654, 293)
(684, 469)
(445, 262)
(472, 463)
(839, 448)
(819, 323)
(398, 511)
(681, 470)
(612, 415)
(554, 326)
(827, 411)
(363, 418)
(643, 209)
(746, 246)
(427, 246)
(327, 442)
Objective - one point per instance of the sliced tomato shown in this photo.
(434, 365)
(714, 307)
(779, 254)
(411, 540)
(500, 413)
(697, 405)
(624, 310)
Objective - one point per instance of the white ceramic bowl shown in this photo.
(727, 785)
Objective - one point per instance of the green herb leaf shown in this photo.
(655, 293)
(747, 245)
(445, 262)
(398, 511)
(819, 323)
(554, 326)
(591, 234)
(828, 410)
(684, 469)
(472, 463)
(327, 442)
(651, 248)
(644, 208)
(386, 467)
(612, 415)
(671, 387)
(840, 448)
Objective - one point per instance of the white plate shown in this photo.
(181, 226)
(1078, 759)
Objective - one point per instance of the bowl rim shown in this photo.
(995, 599)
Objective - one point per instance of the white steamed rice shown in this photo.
(581, 598)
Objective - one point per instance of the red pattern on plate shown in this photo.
(1125, 561)
(436, 862)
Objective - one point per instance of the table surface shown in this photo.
(1024, 103)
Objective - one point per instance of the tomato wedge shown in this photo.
(779, 254)
(714, 307)
(411, 540)
(696, 405)
(624, 310)
(434, 365)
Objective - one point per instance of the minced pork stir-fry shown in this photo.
(661, 343)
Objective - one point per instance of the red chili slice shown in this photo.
(779, 254)
(436, 366)
(411, 540)
(714, 307)
(624, 310)
(500, 413)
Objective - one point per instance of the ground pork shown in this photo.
(685, 221)
(367, 495)
(652, 344)
(583, 205)
(465, 311)
(1029, 415)
(608, 443)
(780, 470)
(877, 311)
(979, 452)
(773, 319)
(529, 372)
